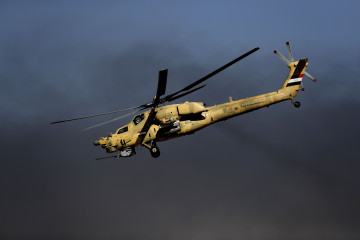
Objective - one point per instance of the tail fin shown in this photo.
(297, 70)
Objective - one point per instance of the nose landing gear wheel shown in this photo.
(155, 152)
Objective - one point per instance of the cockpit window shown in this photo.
(124, 129)
(138, 119)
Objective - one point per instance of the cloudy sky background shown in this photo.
(276, 173)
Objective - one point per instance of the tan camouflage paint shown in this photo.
(136, 136)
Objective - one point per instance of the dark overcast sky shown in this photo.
(276, 173)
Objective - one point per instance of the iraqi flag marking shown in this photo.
(295, 81)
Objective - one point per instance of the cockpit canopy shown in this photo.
(122, 130)
(137, 119)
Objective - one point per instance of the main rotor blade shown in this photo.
(112, 120)
(96, 115)
(148, 122)
(162, 83)
(161, 86)
(186, 93)
(114, 156)
(210, 74)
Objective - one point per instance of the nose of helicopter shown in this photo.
(107, 144)
(101, 142)
(111, 149)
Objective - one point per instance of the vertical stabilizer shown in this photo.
(296, 74)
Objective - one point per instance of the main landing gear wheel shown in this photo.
(297, 104)
(155, 151)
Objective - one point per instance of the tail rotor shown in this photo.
(287, 62)
(309, 76)
(284, 59)
(290, 52)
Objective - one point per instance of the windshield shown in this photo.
(138, 119)
(122, 130)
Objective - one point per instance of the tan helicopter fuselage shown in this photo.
(182, 119)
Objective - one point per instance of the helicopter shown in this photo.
(164, 122)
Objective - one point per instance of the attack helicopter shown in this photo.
(164, 122)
